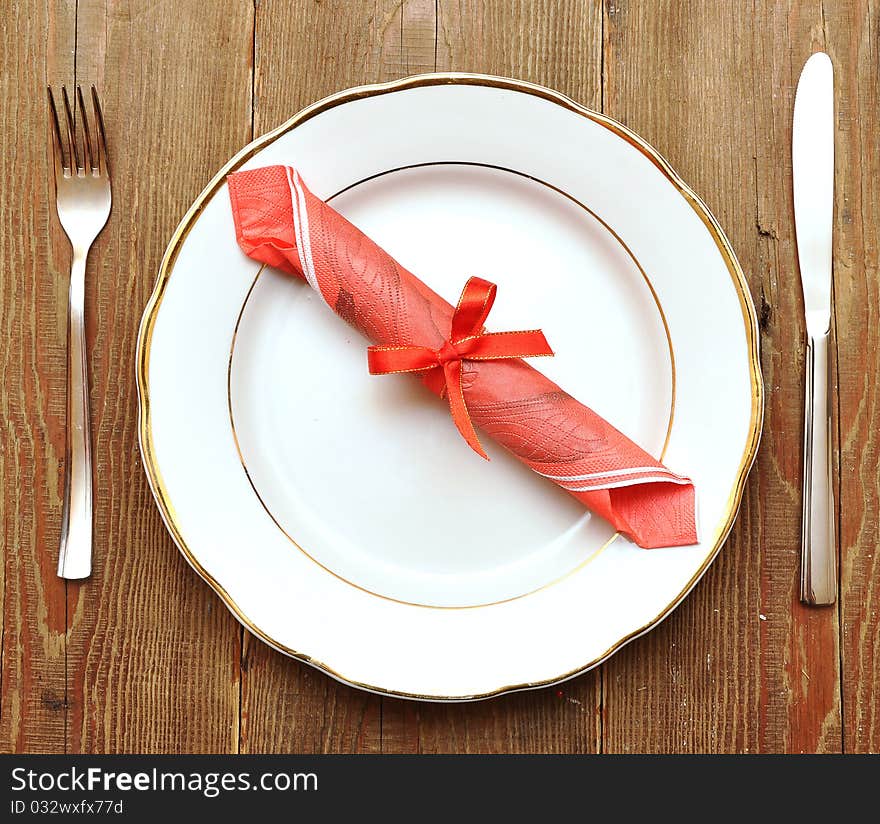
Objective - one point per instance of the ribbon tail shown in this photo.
(458, 407)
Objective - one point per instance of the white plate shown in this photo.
(340, 516)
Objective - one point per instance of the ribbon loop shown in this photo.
(467, 341)
(473, 308)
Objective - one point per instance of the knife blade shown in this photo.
(813, 184)
(813, 168)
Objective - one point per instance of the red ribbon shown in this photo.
(467, 341)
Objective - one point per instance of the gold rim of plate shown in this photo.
(151, 311)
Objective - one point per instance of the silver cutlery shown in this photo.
(82, 199)
(813, 171)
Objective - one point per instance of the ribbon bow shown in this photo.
(467, 341)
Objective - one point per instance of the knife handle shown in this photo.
(818, 545)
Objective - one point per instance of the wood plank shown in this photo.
(305, 51)
(801, 709)
(557, 43)
(741, 666)
(852, 31)
(288, 706)
(153, 657)
(38, 49)
(562, 719)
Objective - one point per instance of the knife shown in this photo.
(813, 170)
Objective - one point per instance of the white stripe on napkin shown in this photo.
(631, 470)
(670, 479)
(301, 229)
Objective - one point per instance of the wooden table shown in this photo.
(143, 656)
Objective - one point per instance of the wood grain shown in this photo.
(143, 656)
(852, 33)
(741, 666)
(307, 50)
(33, 695)
(557, 43)
(152, 654)
(801, 707)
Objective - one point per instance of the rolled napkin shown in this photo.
(279, 222)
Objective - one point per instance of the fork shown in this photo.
(82, 199)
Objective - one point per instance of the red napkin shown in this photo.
(278, 221)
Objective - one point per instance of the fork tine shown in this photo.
(88, 161)
(71, 132)
(57, 142)
(100, 137)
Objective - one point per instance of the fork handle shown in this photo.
(75, 556)
(818, 546)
